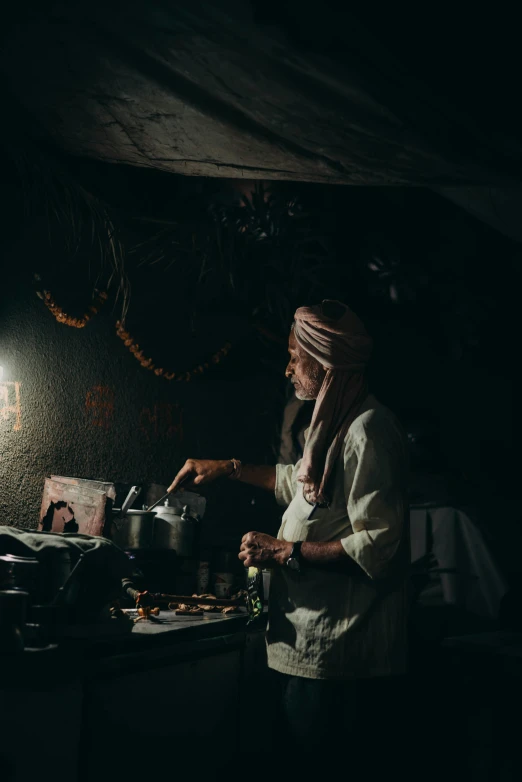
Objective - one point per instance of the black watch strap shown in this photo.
(294, 560)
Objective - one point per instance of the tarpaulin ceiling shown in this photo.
(206, 89)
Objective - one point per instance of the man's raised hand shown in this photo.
(198, 471)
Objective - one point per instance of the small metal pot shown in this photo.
(133, 531)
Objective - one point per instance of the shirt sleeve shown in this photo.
(286, 483)
(376, 505)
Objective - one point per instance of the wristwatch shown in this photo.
(294, 560)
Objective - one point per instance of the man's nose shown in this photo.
(288, 371)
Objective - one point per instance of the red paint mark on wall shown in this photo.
(10, 407)
(162, 421)
(99, 406)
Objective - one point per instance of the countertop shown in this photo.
(116, 645)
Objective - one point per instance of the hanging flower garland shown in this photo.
(147, 363)
(68, 320)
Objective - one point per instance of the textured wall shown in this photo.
(76, 402)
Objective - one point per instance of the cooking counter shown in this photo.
(170, 636)
(180, 682)
(170, 622)
(97, 644)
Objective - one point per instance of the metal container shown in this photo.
(175, 529)
(13, 610)
(18, 573)
(133, 531)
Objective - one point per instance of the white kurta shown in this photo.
(326, 624)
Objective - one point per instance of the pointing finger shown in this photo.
(180, 478)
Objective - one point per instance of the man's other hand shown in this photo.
(263, 551)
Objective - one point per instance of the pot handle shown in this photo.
(129, 499)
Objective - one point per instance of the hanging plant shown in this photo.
(69, 320)
(277, 259)
(147, 363)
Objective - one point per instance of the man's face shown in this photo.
(304, 371)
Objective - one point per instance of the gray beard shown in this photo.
(304, 396)
(311, 391)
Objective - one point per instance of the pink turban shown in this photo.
(343, 346)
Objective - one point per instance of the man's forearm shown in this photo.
(196, 472)
(327, 554)
(261, 475)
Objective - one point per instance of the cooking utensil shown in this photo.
(161, 499)
(129, 499)
(165, 496)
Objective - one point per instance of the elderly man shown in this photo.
(338, 596)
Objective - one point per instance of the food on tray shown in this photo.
(204, 606)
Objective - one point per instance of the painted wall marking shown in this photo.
(10, 406)
(164, 420)
(99, 406)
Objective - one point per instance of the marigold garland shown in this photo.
(68, 320)
(160, 371)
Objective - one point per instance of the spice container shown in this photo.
(223, 584)
(224, 573)
(203, 579)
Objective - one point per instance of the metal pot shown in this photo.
(135, 530)
(175, 529)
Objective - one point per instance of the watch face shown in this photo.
(293, 563)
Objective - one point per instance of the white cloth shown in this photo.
(469, 577)
(329, 624)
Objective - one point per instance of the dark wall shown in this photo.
(76, 402)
